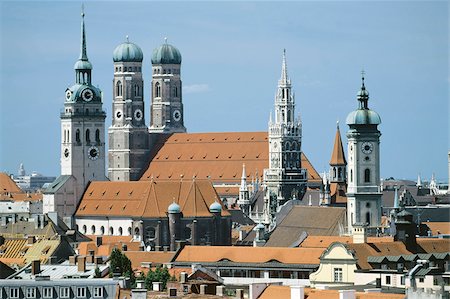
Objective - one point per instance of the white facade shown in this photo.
(105, 227)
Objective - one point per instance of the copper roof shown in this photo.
(148, 199)
(338, 193)
(218, 156)
(242, 254)
(7, 184)
(325, 241)
(10, 191)
(437, 228)
(152, 257)
(338, 156)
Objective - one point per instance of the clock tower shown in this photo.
(83, 126)
(128, 134)
(363, 192)
(167, 105)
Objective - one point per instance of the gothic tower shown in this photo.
(363, 194)
(167, 105)
(83, 125)
(128, 134)
(244, 195)
(285, 178)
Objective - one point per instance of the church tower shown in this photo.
(83, 125)
(244, 195)
(363, 193)
(338, 164)
(285, 178)
(167, 105)
(128, 134)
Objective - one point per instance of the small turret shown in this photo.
(244, 202)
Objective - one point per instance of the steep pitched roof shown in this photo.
(10, 191)
(8, 185)
(218, 156)
(239, 254)
(148, 199)
(338, 156)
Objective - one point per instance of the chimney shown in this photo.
(359, 234)
(347, 294)
(180, 244)
(81, 264)
(99, 241)
(31, 240)
(98, 260)
(183, 277)
(72, 260)
(297, 292)
(124, 247)
(35, 267)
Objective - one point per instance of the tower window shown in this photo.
(97, 136)
(367, 175)
(368, 217)
(88, 136)
(157, 90)
(119, 89)
(339, 172)
(136, 90)
(176, 91)
(351, 175)
(77, 135)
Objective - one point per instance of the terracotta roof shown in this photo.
(108, 244)
(321, 221)
(8, 185)
(338, 193)
(148, 199)
(284, 292)
(10, 191)
(218, 156)
(437, 228)
(363, 250)
(434, 245)
(325, 241)
(338, 155)
(153, 257)
(239, 254)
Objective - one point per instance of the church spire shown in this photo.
(83, 67)
(284, 80)
(83, 53)
(338, 156)
(363, 94)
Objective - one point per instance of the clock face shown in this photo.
(118, 114)
(66, 153)
(93, 153)
(68, 95)
(138, 114)
(367, 147)
(87, 95)
(177, 115)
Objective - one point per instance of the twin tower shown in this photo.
(128, 134)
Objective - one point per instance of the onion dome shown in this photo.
(259, 226)
(174, 208)
(166, 54)
(363, 115)
(215, 207)
(82, 65)
(128, 52)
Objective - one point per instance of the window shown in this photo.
(388, 279)
(136, 90)
(351, 175)
(97, 136)
(120, 231)
(119, 89)
(77, 135)
(81, 292)
(98, 292)
(150, 233)
(129, 231)
(84, 229)
(367, 175)
(93, 229)
(157, 90)
(102, 230)
(402, 280)
(88, 136)
(421, 279)
(337, 274)
(14, 292)
(47, 292)
(111, 231)
(31, 292)
(368, 218)
(176, 91)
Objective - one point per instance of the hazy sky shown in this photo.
(231, 63)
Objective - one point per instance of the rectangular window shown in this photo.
(388, 279)
(14, 292)
(98, 292)
(337, 274)
(81, 292)
(47, 292)
(402, 280)
(31, 292)
(64, 292)
(421, 279)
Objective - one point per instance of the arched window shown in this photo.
(368, 217)
(351, 175)
(102, 230)
(157, 90)
(149, 233)
(88, 136)
(111, 231)
(116, 69)
(136, 232)
(97, 136)
(367, 175)
(93, 229)
(136, 90)
(334, 172)
(282, 93)
(129, 230)
(68, 135)
(84, 229)
(339, 172)
(187, 233)
(77, 135)
(120, 231)
(119, 89)
(176, 91)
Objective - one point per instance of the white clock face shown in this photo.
(87, 95)
(66, 153)
(138, 114)
(367, 147)
(68, 95)
(177, 115)
(93, 153)
(119, 114)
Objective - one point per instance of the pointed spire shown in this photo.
(284, 80)
(310, 201)
(396, 202)
(338, 155)
(243, 180)
(83, 54)
(419, 181)
(363, 94)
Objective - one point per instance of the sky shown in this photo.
(232, 55)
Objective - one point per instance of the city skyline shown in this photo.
(231, 65)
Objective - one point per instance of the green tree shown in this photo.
(97, 274)
(160, 274)
(120, 263)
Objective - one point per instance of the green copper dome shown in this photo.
(215, 207)
(363, 117)
(174, 208)
(128, 52)
(82, 65)
(166, 54)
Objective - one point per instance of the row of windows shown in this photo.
(128, 69)
(47, 292)
(119, 89)
(83, 78)
(87, 136)
(102, 230)
(164, 71)
(157, 90)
